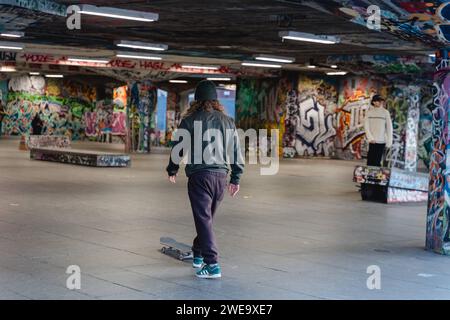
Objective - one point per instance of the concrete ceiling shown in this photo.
(226, 31)
(229, 29)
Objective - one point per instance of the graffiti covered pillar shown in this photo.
(412, 129)
(141, 112)
(173, 114)
(438, 237)
(128, 144)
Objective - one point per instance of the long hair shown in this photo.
(207, 105)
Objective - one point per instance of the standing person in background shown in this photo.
(158, 138)
(37, 124)
(378, 128)
(2, 115)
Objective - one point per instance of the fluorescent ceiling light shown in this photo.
(12, 34)
(178, 81)
(312, 66)
(337, 73)
(92, 60)
(432, 55)
(274, 58)
(308, 37)
(218, 79)
(34, 73)
(118, 13)
(141, 45)
(140, 56)
(7, 69)
(190, 66)
(334, 66)
(11, 45)
(54, 76)
(259, 64)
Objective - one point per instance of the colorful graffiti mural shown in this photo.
(354, 100)
(309, 122)
(261, 104)
(382, 64)
(258, 104)
(109, 117)
(68, 108)
(405, 19)
(317, 119)
(105, 120)
(62, 105)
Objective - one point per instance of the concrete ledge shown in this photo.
(47, 141)
(391, 185)
(81, 157)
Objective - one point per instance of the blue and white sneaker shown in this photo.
(197, 263)
(209, 271)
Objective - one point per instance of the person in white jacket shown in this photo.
(378, 128)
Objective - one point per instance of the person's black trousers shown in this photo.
(375, 155)
(206, 190)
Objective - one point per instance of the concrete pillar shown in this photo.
(438, 228)
(173, 113)
(412, 128)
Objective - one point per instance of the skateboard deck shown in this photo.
(176, 249)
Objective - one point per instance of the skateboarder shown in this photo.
(378, 128)
(207, 180)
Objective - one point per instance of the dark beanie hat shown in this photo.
(206, 90)
(376, 97)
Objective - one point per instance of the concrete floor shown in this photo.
(302, 234)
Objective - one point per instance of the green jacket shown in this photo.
(230, 157)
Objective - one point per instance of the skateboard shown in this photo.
(176, 249)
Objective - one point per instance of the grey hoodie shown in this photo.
(212, 121)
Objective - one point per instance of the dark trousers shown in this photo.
(375, 155)
(206, 190)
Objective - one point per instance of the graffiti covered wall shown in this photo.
(68, 108)
(62, 103)
(310, 121)
(106, 118)
(261, 104)
(354, 101)
(325, 116)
